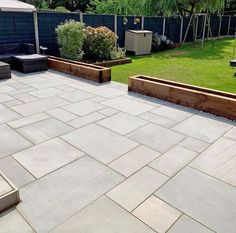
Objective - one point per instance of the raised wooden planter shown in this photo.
(203, 99)
(114, 62)
(80, 69)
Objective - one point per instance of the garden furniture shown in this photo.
(5, 71)
(30, 63)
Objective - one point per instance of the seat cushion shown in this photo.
(32, 57)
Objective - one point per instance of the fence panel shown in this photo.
(48, 21)
(16, 27)
(232, 25)
(154, 24)
(173, 28)
(224, 25)
(99, 20)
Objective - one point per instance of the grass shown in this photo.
(208, 67)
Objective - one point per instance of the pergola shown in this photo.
(18, 6)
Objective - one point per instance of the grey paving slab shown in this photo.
(129, 106)
(109, 93)
(47, 157)
(28, 120)
(174, 112)
(219, 160)
(44, 130)
(40, 106)
(194, 144)
(83, 108)
(98, 99)
(103, 216)
(74, 187)
(134, 160)
(15, 172)
(100, 143)
(186, 224)
(4, 187)
(18, 85)
(204, 127)
(26, 98)
(209, 201)
(7, 137)
(156, 137)
(122, 123)
(159, 120)
(30, 79)
(13, 103)
(108, 111)
(12, 222)
(173, 160)
(76, 96)
(85, 120)
(6, 115)
(45, 93)
(157, 214)
(62, 114)
(133, 191)
(21, 91)
(231, 134)
(5, 98)
(84, 86)
(49, 83)
(6, 88)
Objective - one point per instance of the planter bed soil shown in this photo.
(203, 99)
(114, 62)
(83, 70)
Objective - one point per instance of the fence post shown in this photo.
(81, 16)
(219, 26)
(164, 26)
(142, 25)
(36, 31)
(229, 25)
(115, 27)
(181, 30)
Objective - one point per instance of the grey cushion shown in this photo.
(31, 57)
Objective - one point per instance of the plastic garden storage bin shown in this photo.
(138, 41)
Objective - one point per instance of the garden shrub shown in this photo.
(99, 43)
(117, 53)
(70, 37)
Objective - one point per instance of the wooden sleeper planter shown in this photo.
(83, 70)
(215, 102)
(114, 62)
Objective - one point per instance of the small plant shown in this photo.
(70, 38)
(117, 53)
(99, 43)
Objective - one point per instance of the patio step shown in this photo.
(9, 194)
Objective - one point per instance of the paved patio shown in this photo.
(94, 159)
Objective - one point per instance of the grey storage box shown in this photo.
(138, 41)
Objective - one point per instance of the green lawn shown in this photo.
(208, 67)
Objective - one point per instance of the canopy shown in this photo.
(15, 5)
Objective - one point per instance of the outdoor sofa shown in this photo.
(22, 57)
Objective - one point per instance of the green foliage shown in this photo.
(117, 53)
(61, 9)
(70, 39)
(99, 43)
(154, 7)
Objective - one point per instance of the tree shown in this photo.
(154, 7)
